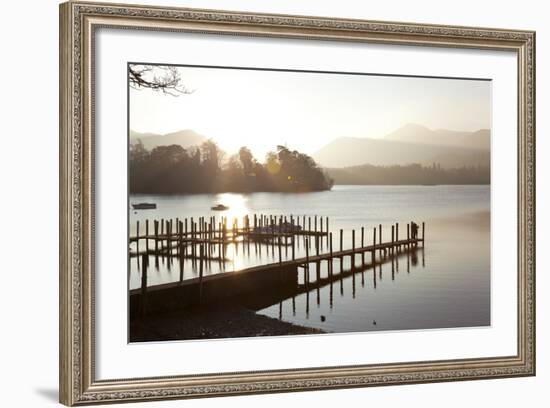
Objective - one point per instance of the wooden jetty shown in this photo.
(197, 242)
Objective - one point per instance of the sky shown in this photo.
(304, 110)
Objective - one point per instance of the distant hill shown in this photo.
(185, 138)
(407, 145)
(413, 133)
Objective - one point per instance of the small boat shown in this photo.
(220, 207)
(144, 206)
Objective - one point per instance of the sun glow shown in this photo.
(237, 204)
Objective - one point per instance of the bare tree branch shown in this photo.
(157, 78)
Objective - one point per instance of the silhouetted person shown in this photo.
(414, 230)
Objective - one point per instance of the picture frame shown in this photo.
(79, 24)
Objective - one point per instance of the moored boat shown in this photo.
(144, 206)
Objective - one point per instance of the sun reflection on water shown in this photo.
(237, 204)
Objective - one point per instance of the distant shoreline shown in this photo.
(304, 192)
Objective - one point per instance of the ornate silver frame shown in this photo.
(78, 20)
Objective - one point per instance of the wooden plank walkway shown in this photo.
(302, 262)
(298, 262)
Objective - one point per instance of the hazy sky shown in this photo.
(261, 109)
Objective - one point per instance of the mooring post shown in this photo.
(315, 223)
(408, 236)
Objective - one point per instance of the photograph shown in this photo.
(277, 202)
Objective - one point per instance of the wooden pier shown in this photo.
(202, 243)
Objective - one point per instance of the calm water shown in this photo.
(447, 284)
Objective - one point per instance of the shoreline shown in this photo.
(212, 322)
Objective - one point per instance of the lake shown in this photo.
(445, 284)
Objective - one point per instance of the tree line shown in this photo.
(412, 174)
(204, 169)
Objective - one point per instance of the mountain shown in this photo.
(413, 133)
(409, 144)
(185, 138)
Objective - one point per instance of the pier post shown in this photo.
(353, 249)
(306, 266)
(317, 245)
(143, 293)
(315, 223)
(423, 232)
(373, 252)
(219, 239)
(330, 248)
(397, 234)
(201, 254)
(392, 238)
(318, 263)
(341, 248)
(408, 235)
(293, 246)
(380, 238)
(147, 236)
(137, 237)
(362, 245)
(156, 228)
(169, 237)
